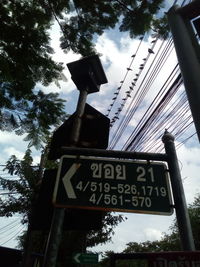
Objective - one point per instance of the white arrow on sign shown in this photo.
(67, 180)
(76, 258)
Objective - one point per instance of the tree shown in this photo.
(33, 116)
(194, 213)
(110, 221)
(25, 43)
(169, 242)
(25, 51)
(94, 17)
(22, 190)
(25, 59)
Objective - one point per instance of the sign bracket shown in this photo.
(113, 154)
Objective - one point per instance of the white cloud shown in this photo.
(59, 55)
(190, 169)
(9, 151)
(36, 159)
(9, 138)
(137, 228)
(189, 155)
(116, 58)
(152, 234)
(11, 144)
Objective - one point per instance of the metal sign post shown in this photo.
(113, 185)
(188, 53)
(58, 216)
(182, 215)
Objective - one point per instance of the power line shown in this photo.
(8, 226)
(10, 231)
(13, 237)
(158, 115)
(128, 69)
(141, 91)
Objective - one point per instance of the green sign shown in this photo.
(85, 258)
(113, 185)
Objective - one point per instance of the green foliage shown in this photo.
(25, 51)
(94, 17)
(104, 235)
(167, 243)
(35, 115)
(25, 59)
(161, 27)
(138, 16)
(22, 190)
(91, 17)
(194, 212)
(26, 54)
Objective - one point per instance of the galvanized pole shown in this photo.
(75, 132)
(182, 215)
(59, 213)
(29, 236)
(54, 238)
(188, 54)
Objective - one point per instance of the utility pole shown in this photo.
(188, 53)
(183, 220)
(27, 261)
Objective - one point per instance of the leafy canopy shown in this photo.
(33, 115)
(93, 17)
(26, 53)
(21, 190)
(25, 59)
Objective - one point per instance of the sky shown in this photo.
(116, 50)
